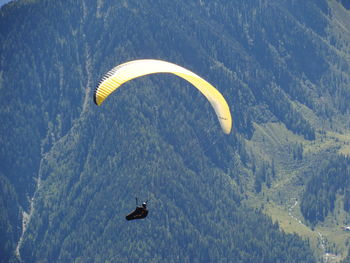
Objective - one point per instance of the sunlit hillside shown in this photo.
(276, 189)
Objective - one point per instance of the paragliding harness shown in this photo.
(139, 213)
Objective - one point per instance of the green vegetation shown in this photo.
(329, 178)
(75, 168)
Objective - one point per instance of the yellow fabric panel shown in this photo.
(137, 68)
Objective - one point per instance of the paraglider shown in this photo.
(137, 68)
(125, 72)
(140, 212)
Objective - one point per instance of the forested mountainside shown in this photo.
(70, 170)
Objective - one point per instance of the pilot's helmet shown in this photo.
(144, 204)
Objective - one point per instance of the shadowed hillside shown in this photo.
(71, 170)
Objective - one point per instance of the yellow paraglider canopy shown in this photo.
(137, 68)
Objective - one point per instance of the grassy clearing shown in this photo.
(326, 241)
(343, 140)
(273, 141)
(288, 223)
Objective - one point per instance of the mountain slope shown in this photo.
(75, 168)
